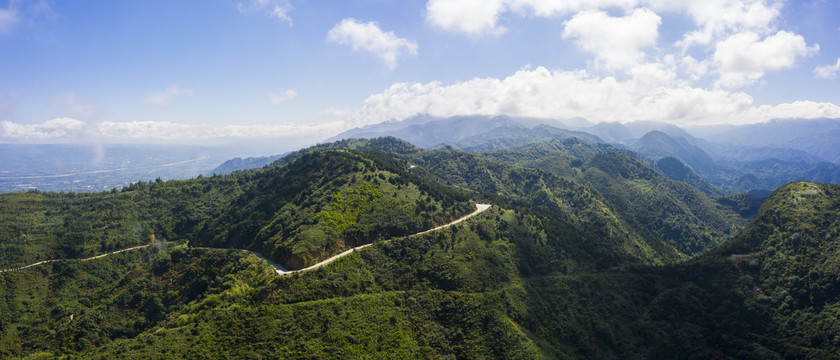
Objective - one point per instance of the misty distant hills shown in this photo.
(614, 132)
(816, 137)
(236, 164)
(656, 145)
(755, 169)
(734, 158)
(470, 132)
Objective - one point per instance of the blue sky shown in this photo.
(300, 70)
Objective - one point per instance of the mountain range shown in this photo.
(636, 249)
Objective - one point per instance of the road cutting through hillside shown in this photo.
(280, 270)
(84, 259)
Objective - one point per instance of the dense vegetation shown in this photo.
(287, 212)
(651, 204)
(577, 259)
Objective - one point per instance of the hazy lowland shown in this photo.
(601, 241)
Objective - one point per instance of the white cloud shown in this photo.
(369, 37)
(52, 129)
(718, 18)
(794, 110)
(166, 97)
(481, 17)
(651, 94)
(9, 17)
(287, 95)
(468, 16)
(743, 58)
(617, 42)
(275, 8)
(72, 130)
(828, 71)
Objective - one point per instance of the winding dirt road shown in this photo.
(280, 270)
(84, 259)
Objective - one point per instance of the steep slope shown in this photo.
(656, 145)
(677, 170)
(319, 204)
(653, 206)
(606, 239)
(792, 257)
(327, 201)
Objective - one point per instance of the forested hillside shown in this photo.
(651, 204)
(318, 205)
(585, 253)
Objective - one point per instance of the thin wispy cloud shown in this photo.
(73, 130)
(75, 105)
(287, 95)
(279, 9)
(168, 96)
(828, 71)
(9, 18)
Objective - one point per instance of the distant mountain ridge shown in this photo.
(467, 131)
(756, 157)
(236, 164)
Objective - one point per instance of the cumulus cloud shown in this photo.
(275, 8)
(651, 94)
(166, 97)
(369, 37)
(287, 95)
(480, 17)
(719, 18)
(743, 58)
(828, 71)
(619, 42)
(616, 42)
(474, 17)
(58, 128)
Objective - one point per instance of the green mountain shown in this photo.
(653, 206)
(237, 164)
(677, 170)
(576, 258)
(656, 145)
(319, 204)
(327, 201)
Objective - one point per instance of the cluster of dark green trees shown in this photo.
(587, 252)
